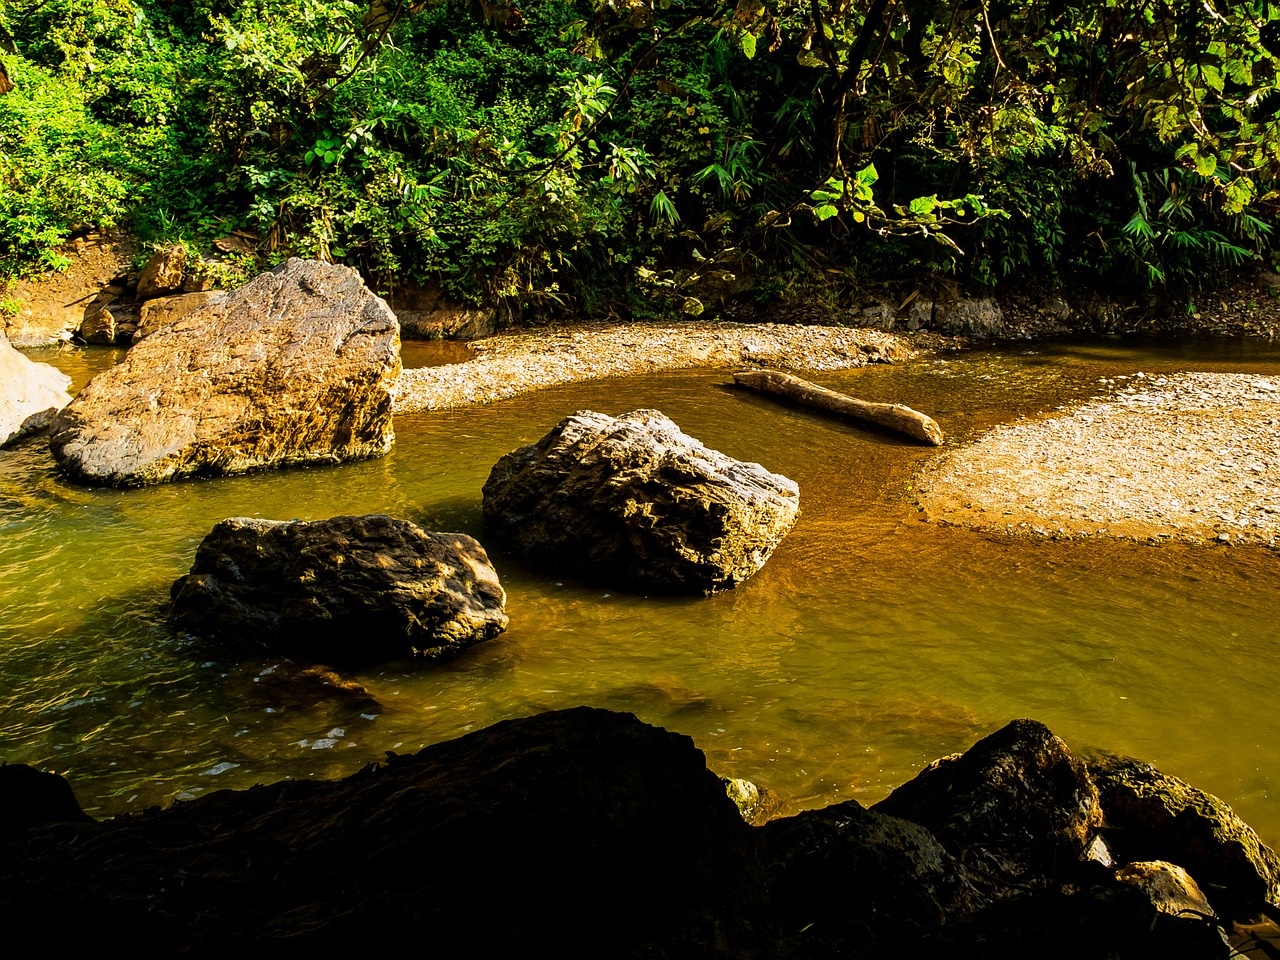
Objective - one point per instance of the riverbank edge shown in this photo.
(1188, 457)
(507, 365)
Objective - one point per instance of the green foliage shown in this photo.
(576, 155)
(59, 169)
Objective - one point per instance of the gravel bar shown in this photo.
(1192, 457)
(511, 364)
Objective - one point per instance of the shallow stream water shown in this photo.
(871, 643)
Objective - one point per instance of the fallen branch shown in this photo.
(892, 416)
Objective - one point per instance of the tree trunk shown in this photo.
(892, 416)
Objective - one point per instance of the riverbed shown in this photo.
(873, 641)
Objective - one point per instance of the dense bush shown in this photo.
(569, 156)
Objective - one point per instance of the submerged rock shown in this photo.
(1153, 816)
(349, 590)
(634, 501)
(295, 367)
(31, 394)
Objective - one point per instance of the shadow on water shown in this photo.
(871, 643)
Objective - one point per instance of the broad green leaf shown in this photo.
(922, 206)
(825, 212)
(749, 45)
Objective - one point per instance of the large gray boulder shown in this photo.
(295, 367)
(31, 394)
(345, 591)
(634, 501)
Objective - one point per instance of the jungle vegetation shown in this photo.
(633, 157)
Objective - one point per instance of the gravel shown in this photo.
(511, 364)
(1192, 457)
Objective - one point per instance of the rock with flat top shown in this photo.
(31, 394)
(295, 367)
(634, 501)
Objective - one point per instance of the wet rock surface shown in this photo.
(634, 501)
(346, 591)
(31, 394)
(295, 367)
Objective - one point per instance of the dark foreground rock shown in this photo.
(599, 836)
(581, 832)
(1017, 807)
(1153, 816)
(295, 367)
(345, 591)
(847, 874)
(632, 500)
(31, 394)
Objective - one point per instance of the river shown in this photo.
(871, 643)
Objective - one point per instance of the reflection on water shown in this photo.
(871, 643)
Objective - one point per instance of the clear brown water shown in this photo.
(870, 644)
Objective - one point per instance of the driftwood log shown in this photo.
(891, 416)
